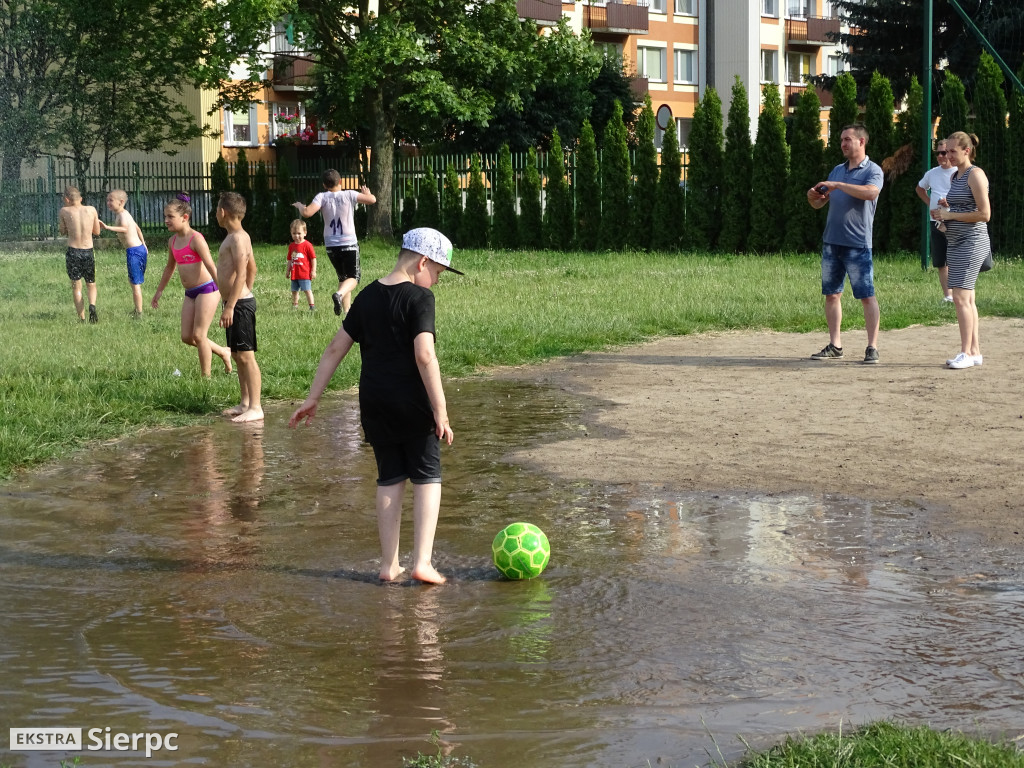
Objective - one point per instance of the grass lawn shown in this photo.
(64, 384)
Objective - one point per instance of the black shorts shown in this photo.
(938, 247)
(242, 332)
(80, 264)
(417, 460)
(345, 261)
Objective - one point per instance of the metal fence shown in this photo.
(149, 185)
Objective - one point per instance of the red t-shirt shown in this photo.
(300, 260)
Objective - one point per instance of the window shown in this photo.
(835, 65)
(683, 125)
(240, 127)
(610, 51)
(799, 9)
(769, 7)
(686, 7)
(651, 63)
(287, 119)
(657, 6)
(685, 69)
(798, 68)
(769, 66)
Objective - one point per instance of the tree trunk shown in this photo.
(10, 200)
(382, 166)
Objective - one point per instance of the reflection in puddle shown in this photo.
(221, 583)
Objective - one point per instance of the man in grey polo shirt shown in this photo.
(852, 189)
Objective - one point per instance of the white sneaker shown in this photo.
(961, 361)
(977, 359)
(948, 298)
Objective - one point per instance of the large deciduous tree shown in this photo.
(413, 67)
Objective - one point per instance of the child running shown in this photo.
(236, 266)
(189, 252)
(131, 238)
(338, 207)
(301, 269)
(401, 401)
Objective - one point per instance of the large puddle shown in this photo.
(220, 583)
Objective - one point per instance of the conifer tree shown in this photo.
(738, 164)
(588, 191)
(220, 181)
(262, 212)
(990, 110)
(427, 214)
(908, 215)
(280, 231)
(243, 185)
(645, 189)
(844, 112)
(505, 233)
(878, 119)
(771, 169)
(955, 114)
(451, 205)
(475, 224)
(670, 205)
(408, 215)
(615, 178)
(558, 214)
(704, 173)
(530, 235)
(807, 160)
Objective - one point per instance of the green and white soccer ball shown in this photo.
(521, 551)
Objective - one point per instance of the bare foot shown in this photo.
(226, 357)
(250, 414)
(235, 410)
(429, 575)
(390, 574)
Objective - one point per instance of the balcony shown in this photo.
(291, 72)
(825, 97)
(545, 12)
(625, 18)
(811, 30)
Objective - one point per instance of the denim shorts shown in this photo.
(838, 261)
(302, 285)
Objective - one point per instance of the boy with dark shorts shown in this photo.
(338, 207)
(80, 223)
(401, 401)
(236, 272)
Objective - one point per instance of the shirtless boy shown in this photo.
(236, 269)
(131, 238)
(80, 223)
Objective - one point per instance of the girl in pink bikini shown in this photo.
(189, 252)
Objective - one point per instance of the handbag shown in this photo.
(987, 264)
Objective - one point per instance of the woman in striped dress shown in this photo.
(966, 220)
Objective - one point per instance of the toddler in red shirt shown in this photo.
(301, 269)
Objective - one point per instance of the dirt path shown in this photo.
(751, 412)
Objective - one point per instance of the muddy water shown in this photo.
(219, 583)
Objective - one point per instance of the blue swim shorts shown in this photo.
(302, 285)
(838, 261)
(136, 258)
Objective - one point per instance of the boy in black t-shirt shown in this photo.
(401, 401)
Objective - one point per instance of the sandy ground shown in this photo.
(741, 412)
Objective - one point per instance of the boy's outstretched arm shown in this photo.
(430, 372)
(329, 362)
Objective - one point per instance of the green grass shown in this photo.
(64, 385)
(885, 745)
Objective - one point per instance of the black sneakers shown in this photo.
(337, 303)
(871, 355)
(831, 352)
(93, 317)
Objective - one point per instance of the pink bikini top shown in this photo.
(185, 255)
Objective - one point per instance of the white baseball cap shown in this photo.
(432, 244)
